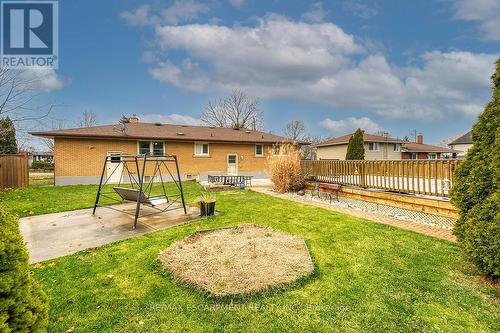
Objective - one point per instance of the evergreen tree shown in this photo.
(8, 144)
(476, 190)
(356, 146)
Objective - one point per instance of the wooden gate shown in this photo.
(14, 171)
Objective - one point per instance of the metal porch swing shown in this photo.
(134, 185)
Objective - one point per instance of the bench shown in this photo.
(328, 189)
(230, 180)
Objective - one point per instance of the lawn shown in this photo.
(37, 200)
(369, 277)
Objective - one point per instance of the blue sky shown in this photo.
(382, 65)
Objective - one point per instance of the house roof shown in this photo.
(413, 147)
(464, 139)
(158, 131)
(366, 137)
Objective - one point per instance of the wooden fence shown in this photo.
(14, 171)
(429, 177)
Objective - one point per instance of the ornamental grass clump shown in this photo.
(285, 170)
(23, 304)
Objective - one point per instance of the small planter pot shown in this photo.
(207, 208)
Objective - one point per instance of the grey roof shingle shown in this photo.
(464, 139)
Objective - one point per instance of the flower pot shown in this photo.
(207, 208)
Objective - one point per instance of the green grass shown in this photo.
(369, 277)
(37, 200)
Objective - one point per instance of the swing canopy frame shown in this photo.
(135, 185)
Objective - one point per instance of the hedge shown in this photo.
(23, 303)
(476, 190)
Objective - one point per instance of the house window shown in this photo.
(157, 148)
(432, 156)
(413, 156)
(154, 148)
(201, 149)
(144, 147)
(397, 147)
(373, 146)
(259, 150)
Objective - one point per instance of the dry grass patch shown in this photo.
(238, 260)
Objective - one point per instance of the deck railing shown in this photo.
(429, 177)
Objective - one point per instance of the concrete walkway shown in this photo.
(428, 230)
(54, 235)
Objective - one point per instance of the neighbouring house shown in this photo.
(382, 147)
(377, 147)
(45, 156)
(420, 151)
(79, 153)
(462, 144)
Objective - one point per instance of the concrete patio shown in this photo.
(54, 235)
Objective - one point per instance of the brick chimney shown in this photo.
(420, 138)
(134, 119)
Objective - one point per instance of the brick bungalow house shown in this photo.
(79, 152)
(378, 147)
(420, 151)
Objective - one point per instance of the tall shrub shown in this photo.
(356, 146)
(8, 143)
(285, 170)
(476, 190)
(23, 304)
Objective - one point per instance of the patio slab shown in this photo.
(55, 235)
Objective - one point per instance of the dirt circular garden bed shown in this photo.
(238, 260)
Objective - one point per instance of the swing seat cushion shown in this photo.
(131, 194)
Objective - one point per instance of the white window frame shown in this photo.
(432, 158)
(414, 154)
(150, 146)
(375, 144)
(202, 154)
(396, 147)
(262, 150)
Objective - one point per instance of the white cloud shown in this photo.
(184, 10)
(179, 11)
(357, 8)
(485, 12)
(139, 17)
(349, 125)
(173, 118)
(237, 3)
(42, 79)
(316, 14)
(319, 62)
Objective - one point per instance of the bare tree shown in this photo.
(308, 152)
(295, 129)
(57, 124)
(18, 100)
(87, 119)
(237, 110)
